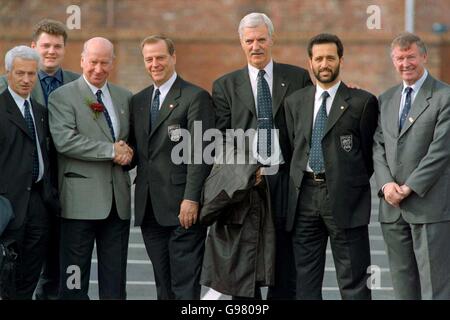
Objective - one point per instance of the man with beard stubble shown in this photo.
(330, 128)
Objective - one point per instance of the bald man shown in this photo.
(89, 123)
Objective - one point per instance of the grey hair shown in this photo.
(405, 40)
(253, 20)
(22, 52)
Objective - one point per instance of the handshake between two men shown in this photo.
(123, 153)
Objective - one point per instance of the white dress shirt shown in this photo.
(20, 104)
(164, 89)
(318, 103)
(276, 157)
(416, 87)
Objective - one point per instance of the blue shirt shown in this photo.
(56, 84)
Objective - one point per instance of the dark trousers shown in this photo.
(350, 247)
(48, 286)
(32, 240)
(285, 273)
(176, 255)
(111, 237)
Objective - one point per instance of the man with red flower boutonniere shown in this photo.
(89, 123)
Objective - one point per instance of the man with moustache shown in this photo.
(252, 98)
(168, 193)
(89, 122)
(412, 171)
(25, 170)
(330, 129)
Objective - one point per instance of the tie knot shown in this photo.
(325, 95)
(261, 73)
(408, 90)
(26, 104)
(49, 79)
(157, 93)
(99, 94)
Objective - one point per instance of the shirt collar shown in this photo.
(94, 89)
(165, 87)
(331, 91)
(418, 84)
(18, 99)
(253, 72)
(58, 75)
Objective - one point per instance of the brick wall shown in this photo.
(205, 34)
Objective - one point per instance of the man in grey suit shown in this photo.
(168, 191)
(412, 170)
(239, 106)
(89, 122)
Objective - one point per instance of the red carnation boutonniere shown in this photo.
(96, 107)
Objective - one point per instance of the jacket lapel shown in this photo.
(38, 122)
(392, 120)
(119, 104)
(14, 113)
(420, 103)
(86, 93)
(38, 93)
(244, 91)
(279, 88)
(144, 109)
(169, 104)
(339, 106)
(306, 114)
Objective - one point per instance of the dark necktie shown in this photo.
(105, 112)
(406, 108)
(31, 129)
(154, 110)
(265, 118)
(316, 155)
(51, 84)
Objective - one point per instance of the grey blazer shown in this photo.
(87, 175)
(37, 94)
(419, 155)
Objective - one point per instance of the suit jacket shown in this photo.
(16, 157)
(235, 105)
(418, 156)
(87, 176)
(38, 94)
(347, 151)
(159, 180)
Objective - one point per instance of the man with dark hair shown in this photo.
(49, 39)
(412, 171)
(330, 128)
(167, 196)
(252, 98)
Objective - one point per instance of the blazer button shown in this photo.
(29, 189)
